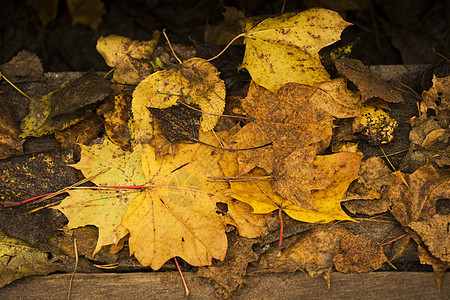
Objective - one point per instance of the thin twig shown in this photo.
(75, 268)
(170, 46)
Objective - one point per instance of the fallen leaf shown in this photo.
(297, 177)
(176, 215)
(416, 200)
(227, 30)
(360, 255)
(254, 189)
(438, 99)
(368, 195)
(286, 120)
(313, 251)
(228, 275)
(434, 233)
(86, 12)
(376, 126)
(24, 66)
(285, 48)
(178, 122)
(116, 122)
(196, 81)
(65, 106)
(104, 208)
(10, 143)
(369, 84)
(84, 132)
(334, 98)
(130, 59)
(19, 259)
(439, 267)
(46, 10)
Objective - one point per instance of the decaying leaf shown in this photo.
(229, 274)
(334, 98)
(368, 194)
(434, 233)
(313, 251)
(86, 12)
(286, 120)
(123, 54)
(414, 196)
(376, 126)
(19, 259)
(65, 106)
(438, 99)
(116, 122)
(24, 66)
(178, 122)
(84, 132)
(360, 255)
(196, 81)
(370, 84)
(10, 143)
(285, 48)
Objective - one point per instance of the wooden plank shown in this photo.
(167, 285)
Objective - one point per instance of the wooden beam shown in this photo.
(167, 285)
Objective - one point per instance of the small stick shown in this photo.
(6, 79)
(75, 268)
(170, 45)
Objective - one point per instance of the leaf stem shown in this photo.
(12, 84)
(281, 233)
(229, 44)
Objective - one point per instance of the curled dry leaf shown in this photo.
(285, 48)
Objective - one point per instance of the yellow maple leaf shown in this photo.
(196, 81)
(173, 213)
(342, 168)
(104, 208)
(285, 48)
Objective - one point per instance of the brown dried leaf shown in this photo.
(370, 84)
(434, 233)
(438, 98)
(228, 274)
(361, 255)
(116, 122)
(10, 143)
(416, 200)
(285, 119)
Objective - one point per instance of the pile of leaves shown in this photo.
(171, 184)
